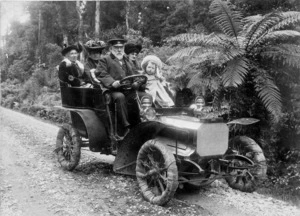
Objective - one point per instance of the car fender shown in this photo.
(90, 126)
(125, 161)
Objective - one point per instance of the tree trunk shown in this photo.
(39, 39)
(191, 12)
(1, 46)
(127, 15)
(65, 39)
(97, 19)
(80, 7)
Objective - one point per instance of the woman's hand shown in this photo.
(94, 76)
(116, 84)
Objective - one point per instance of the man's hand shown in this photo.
(116, 84)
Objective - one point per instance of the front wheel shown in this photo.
(156, 173)
(68, 144)
(245, 179)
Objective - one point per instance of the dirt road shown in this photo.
(32, 182)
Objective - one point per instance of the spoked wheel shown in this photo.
(246, 179)
(68, 143)
(156, 173)
(240, 178)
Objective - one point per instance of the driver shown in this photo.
(113, 68)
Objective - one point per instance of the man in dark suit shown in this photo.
(110, 70)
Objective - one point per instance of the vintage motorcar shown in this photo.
(166, 149)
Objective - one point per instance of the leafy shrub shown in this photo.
(32, 90)
(53, 54)
(20, 69)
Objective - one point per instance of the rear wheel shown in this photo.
(156, 173)
(68, 144)
(246, 179)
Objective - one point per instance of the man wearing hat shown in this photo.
(95, 53)
(70, 70)
(110, 70)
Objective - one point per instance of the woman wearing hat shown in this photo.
(95, 53)
(70, 70)
(157, 86)
(132, 51)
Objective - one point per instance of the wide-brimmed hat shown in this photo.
(67, 49)
(95, 45)
(132, 48)
(151, 58)
(116, 41)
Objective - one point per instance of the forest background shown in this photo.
(31, 51)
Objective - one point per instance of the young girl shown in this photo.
(156, 85)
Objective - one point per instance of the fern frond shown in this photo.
(268, 92)
(198, 82)
(235, 72)
(272, 22)
(281, 34)
(276, 35)
(227, 19)
(186, 52)
(189, 38)
(249, 21)
(259, 27)
(288, 54)
(286, 18)
(218, 96)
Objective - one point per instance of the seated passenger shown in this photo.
(95, 53)
(132, 52)
(157, 86)
(70, 70)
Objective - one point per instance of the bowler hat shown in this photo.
(117, 41)
(132, 48)
(67, 49)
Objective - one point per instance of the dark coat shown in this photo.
(89, 64)
(70, 74)
(109, 70)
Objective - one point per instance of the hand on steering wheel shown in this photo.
(133, 82)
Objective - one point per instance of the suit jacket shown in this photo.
(109, 70)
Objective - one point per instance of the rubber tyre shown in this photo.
(249, 148)
(68, 144)
(158, 188)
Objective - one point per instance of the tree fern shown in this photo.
(227, 19)
(239, 51)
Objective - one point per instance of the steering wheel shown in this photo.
(133, 81)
